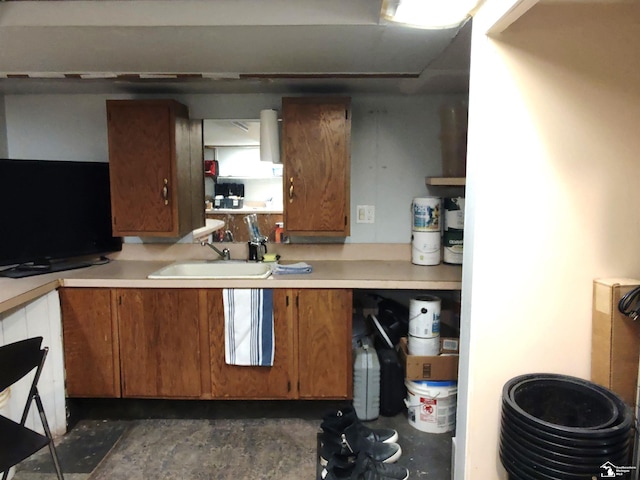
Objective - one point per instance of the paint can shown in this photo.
(453, 241)
(424, 316)
(453, 230)
(453, 213)
(423, 346)
(431, 406)
(425, 248)
(426, 214)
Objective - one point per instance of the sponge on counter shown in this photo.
(270, 257)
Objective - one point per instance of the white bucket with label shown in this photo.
(423, 346)
(424, 316)
(453, 213)
(425, 248)
(453, 241)
(426, 214)
(453, 255)
(431, 406)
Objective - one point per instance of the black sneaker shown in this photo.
(347, 416)
(350, 443)
(362, 467)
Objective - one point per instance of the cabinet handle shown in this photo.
(291, 190)
(165, 192)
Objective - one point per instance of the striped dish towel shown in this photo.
(248, 326)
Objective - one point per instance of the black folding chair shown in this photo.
(18, 442)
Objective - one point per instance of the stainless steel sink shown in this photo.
(206, 269)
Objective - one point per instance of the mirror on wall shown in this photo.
(237, 182)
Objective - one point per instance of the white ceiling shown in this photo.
(223, 46)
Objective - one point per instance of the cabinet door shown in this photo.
(151, 168)
(195, 193)
(90, 338)
(324, 343)
(160, 347)
(316, 135)
(245, 382)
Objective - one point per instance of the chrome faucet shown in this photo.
(257, 249)
(225, 254)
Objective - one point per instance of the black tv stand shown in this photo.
(40, 268)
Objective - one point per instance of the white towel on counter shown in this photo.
(292, 268)
(248, 326)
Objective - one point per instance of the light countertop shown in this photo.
(15, 292)
(355, 274)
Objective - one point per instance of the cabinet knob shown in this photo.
(291, 190)
(165, 192)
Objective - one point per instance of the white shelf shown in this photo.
(446, 181)
(211, 225)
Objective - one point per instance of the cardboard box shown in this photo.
(437, 367)
(615, 341)
(449, 345)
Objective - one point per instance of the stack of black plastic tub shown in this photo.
(561, 428)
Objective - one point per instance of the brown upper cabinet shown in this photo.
(316, 137)
(156, 168)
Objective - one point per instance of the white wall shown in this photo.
(552, 201)
(394, 143)
(40, 317)
(3, 130)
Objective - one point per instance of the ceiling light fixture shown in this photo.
(241, 125)
(435, 14)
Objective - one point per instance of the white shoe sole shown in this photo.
(392, 459)
(393, 439)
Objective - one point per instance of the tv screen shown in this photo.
(54, 215)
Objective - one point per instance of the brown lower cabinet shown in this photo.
(169, 343)
(324, 343)
(234, 381)
(91, 348)
(160, 343)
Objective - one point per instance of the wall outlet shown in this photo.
(365, 214)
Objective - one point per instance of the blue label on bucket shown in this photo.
(436, 383)
(426, 217)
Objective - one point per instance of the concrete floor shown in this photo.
(145, 439)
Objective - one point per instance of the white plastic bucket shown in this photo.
(425, 248)
(426, 214)
(453, 246)
(431, 406)
(453, 255)
(423, 346)
(424, 316)
(453, 213)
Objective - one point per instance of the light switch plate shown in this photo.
(365, 214)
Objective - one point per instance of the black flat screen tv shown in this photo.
(54, 215)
